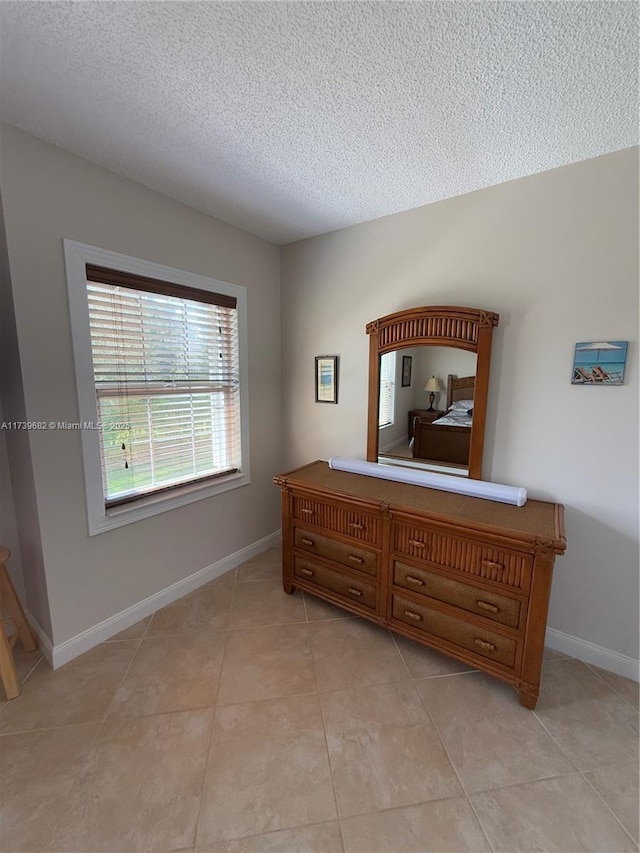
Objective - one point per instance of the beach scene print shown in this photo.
(599, 363)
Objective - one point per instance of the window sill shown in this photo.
(156, 504)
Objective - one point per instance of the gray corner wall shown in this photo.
(48, 195)
(556, 255)
(17, 486)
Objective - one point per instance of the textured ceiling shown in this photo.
(295, 118)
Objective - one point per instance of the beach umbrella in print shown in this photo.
(598, 347)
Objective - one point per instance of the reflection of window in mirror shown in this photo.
(387, 389)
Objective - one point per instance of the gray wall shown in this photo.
(48, 195)
(556, 255)
(17, 487)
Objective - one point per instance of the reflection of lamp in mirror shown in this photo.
(434, 386)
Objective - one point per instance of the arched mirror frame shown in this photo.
(442, 325)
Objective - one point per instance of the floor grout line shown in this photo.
(610, 686)
(206, 764)
(326, 738)
(453, 766)
(601, 797)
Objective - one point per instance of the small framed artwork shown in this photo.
(406, 371)
(326, 379)
(599, 363)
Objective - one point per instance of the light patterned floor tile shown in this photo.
(265, 603)
(618, 787)
(628, 689)
(141, 788)
(268, 770)
(265, 663)
(383, 749)
(78, 692)
(26, 662)
(353, 652)
(206, 607)
(37, 772)
(593, 725)
(134, 632)
(178, 672)
(561, 815)
(319, 838)
(266, 566)
(423, 662)
(491, 739)
(444, 826)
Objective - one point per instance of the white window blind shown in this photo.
(387, 388)
(166, 372)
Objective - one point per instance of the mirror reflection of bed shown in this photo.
(442, 441)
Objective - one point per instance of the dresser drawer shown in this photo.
(483, 602)
(337, 517)
(340, 552)
(355, 591)
(487, 644)
(476, 559)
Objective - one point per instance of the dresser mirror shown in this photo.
(430, 411)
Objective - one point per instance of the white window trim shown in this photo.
(77, 256)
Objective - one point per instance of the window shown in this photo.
(387, 389)
(163, 403)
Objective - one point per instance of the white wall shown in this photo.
(48, 195)
(556, 255)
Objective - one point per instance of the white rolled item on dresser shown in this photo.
(515, 495)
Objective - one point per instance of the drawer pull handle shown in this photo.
(307, 541)
(415, 616)
(414, 581)
(355, 525)
(306, 572)
(354, 591)
(485, 605)
(417, 543)
(355, 559)
(484, 644)
(307, 511)
(491, 564)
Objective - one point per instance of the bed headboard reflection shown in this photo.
(459, 388)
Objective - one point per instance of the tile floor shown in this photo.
(242, 720)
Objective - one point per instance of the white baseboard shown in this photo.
(57, 655)
(591, 653)
(397, 443)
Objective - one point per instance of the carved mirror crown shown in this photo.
(469, 329)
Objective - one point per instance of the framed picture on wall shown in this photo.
(599, 363)
(326, 379)
(406, 371)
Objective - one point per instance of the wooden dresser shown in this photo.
(466, 576)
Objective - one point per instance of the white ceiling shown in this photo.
(290, 119)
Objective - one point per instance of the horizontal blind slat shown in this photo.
(167, 367)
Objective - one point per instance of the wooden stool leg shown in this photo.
(22, 627)
(8, 668)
